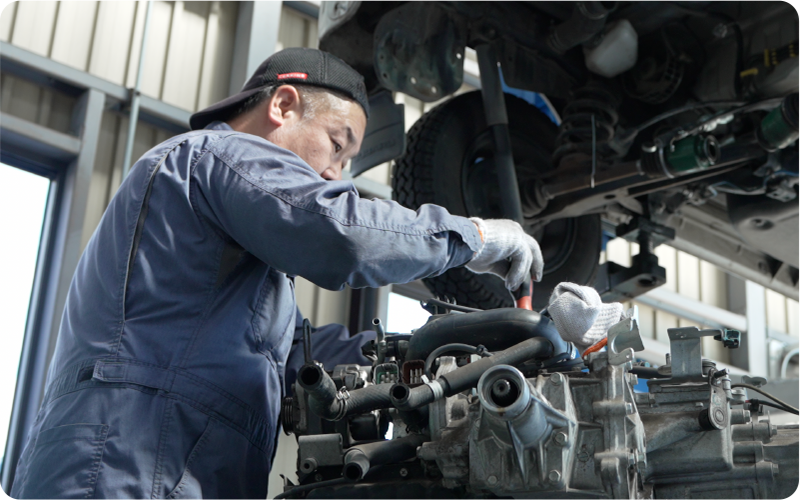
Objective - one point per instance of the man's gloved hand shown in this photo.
(580, 315)
(507, 251)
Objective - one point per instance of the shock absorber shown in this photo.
(587, 124)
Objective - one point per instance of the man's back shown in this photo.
(166, 303)
(175, 337)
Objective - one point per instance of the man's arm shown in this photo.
(279, 209)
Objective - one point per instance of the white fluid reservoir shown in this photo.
(616, 53)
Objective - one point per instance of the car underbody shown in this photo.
(677, 122)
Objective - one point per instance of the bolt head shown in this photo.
(492, 480)
(719, 416)
(554, 476)
(403, 472)
(561, 438)
(629, 408)
(556, 379)
(317, 477)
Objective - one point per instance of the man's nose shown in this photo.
(332, 173)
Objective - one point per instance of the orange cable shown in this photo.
(595, 347)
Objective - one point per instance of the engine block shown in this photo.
(558, 431)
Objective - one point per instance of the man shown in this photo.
(167, 375)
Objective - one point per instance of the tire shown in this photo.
(448, 162)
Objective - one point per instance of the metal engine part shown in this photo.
(556, 431)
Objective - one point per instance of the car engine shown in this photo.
(486, 404)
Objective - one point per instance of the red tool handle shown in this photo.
(522, 295)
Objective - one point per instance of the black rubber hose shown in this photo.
(415, 420)
(466, 377)
(587, 20)
(470, 349)
(496, 329)
(359, 459)
(322, 398)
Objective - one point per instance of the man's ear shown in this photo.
(284, 106)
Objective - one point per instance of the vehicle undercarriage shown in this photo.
(669, 122)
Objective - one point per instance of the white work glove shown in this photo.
(580, 316)
(507, 251)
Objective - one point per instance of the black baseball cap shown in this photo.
(293, 65)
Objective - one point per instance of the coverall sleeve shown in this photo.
(279, 209)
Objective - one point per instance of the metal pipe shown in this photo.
(134, 116)
(380, 339)
(494, 106)
(786, 359)
(574, 179)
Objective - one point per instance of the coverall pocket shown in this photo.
(223, 464)
(66, 462)
(189, 486)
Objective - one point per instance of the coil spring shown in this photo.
(575, 132)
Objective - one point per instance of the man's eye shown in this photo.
(336, 146)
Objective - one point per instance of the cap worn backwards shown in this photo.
(294, 65)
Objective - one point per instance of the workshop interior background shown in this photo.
(64, 105)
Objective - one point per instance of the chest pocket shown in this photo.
(274, 316)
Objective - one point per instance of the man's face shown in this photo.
(328, 140)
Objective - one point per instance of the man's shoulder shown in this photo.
(240, 148)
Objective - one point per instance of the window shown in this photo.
(404, 314)
(23, 199)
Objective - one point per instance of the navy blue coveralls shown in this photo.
(168, 371)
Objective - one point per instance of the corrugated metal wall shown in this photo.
(187, 64)
(189, 48)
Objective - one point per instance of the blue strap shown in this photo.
(194, 390)
(172, 383)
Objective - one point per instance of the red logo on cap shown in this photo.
(284, 76)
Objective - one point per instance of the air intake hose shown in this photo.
(496, 329)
